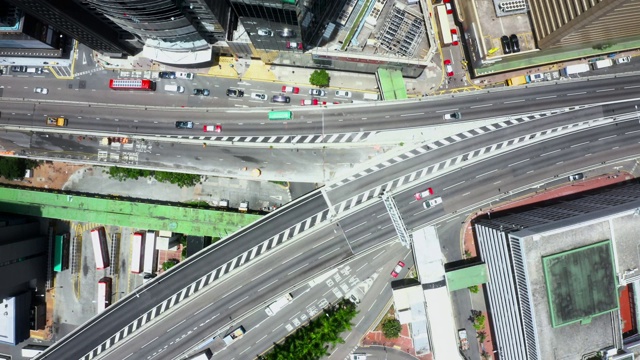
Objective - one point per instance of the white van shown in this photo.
(174, 88)
(373, 97)
(34, 70)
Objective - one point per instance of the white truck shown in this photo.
(277, 305)
(574, 69)
(235, 335)
(601, 64)
(464, 342)
(431, 203)
(205, 355)
(30, 351)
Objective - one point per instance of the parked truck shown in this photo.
(235, 335)
(205, 355)
(574, 69)
(601, 64)
(59, 121)
(277, 305)
(244, 206)
(464, 342)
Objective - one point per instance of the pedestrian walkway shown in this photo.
(402, 342)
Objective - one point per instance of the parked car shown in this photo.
(317, 92)
(184, 124)
(431, 203)
(290, 89)
(259, 96)
(506, 45)
(203, 92)
(280, 99)
(448, 68)
(309, 102)
(423, 194)
(286, 33)
(396, 270)
(574, 177)
(184, 75)
(455, 39)
(212, 128)
(343, 93)
(235, 93)
(623, 60)
(18, 69)
(447, 5)
(265, 32)
(515, 43)
(294, 45)
(453, 116)
(40, 90)
(167, 75)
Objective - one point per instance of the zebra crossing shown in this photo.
(209, 278)
(448, 141)
(287, 139)
(438, 167)
(87, 72)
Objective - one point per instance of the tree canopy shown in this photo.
(180, 179)
(14, 168)
(319, 78)
(391, 328)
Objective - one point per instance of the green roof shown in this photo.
(466, 277)
(581, 283)
(392, 84)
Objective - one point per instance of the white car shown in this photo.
(259, 96)
(317, 92)
(431, 203)
(39, 90)
(265, 32)
(184, 75)
(453, 116)
(343, 93)
(623, 60)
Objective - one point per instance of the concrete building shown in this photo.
(563, 276)
(14, 319)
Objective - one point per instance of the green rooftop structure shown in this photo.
(581, 283)
(466, 277)
(392, 84)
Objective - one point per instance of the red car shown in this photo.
(309, 102)
(448, 68)
(212, 128)
(396, 270)
(291, 89)
(447, 5)
(455, 40)
(294, 45)
(423, 194)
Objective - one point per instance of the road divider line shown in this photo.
(547, 153)
(360, 268)
(360, 238)
(414, 114)
(174, 326)
(580, 93)
(362, 223)
(518, 162)
(586, 142)
(301, 267)
(631, 87)
(327, 254)
(316, 245)
(513, 101)
(142, 347)
(204, 308)
(546, 97)
(241, 300)
(631, 132)
(448, 110)
(479, 106)
(487, 173)
(607, 137)
(449, 187)
(603, 90)
(269, 284)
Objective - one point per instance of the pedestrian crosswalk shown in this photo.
(351, 137)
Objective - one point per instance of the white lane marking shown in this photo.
(448, 110)
(546, 97)
(631, 87)
(497, 182)
(298, 268)
(487, 173)
(381, 252)
(269, 284)
(607, 137)
(174, 326)
(360, 268)
(529, 172)
(631, 132)
(560, 162)
(411, 114)
(603, 90)
(149, 343)
(362, 223)
(550, 152)
(483, 105)
(449, 187)
(197, 312)
(316, 245)
(327, 254)
(243, 299)
(465, 194)
(360, 238)
(580, 93)
(126, 357)
(513, 101)
(519, 162)
(586, 142)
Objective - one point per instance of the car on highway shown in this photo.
(259, 96)
(358, 356)
(265, 32)
(453, 116)
(290, 89)
(167, 75)
(184, 75)
(447, 5)
(317, 92)
(18, 69)
(455, 39)
(203, 92)
(294, 45)
(184, 124)
(39, 90)
(396, 270)
(309, 102)
(515, 43)
(574, 177)
(506, 45)
(235, 93)
(423, 194)
(431, 203)
(343, 93)
(212, 128)
(448, 68)
(281, 99)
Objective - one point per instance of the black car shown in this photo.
(281, 99)
(235, 93)
(184, 124)
(515, 43)
(167, 74)
(203, 92)
(19, 68)
(506, 45)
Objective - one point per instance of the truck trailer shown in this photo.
(574, 69)
(235, 335)
(277, 305)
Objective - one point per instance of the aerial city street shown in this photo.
(320, 179)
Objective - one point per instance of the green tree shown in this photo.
(474, 289)
(482, 336)
(319, 78)
(391, 328)
(169, 264)
(14, 168)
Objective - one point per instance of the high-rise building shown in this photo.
(571, 24)
(23, 35)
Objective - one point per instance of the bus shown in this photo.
(132, 84)
(100, 249)
(104, 294)
(137, 253)
(445, 29)
(60, 253)
(150, 252)
(280, 115)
